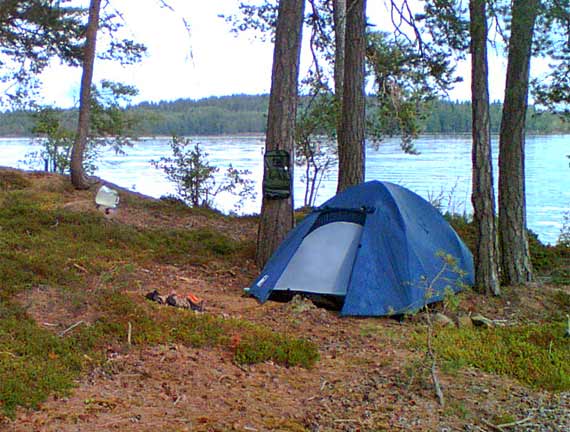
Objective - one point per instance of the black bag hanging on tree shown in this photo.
(277, 174)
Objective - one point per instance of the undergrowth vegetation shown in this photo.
(549, 262)
(87, 262)
(44, 245)
(536, 355)
(33, 362)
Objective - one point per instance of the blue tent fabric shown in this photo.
(400, 265)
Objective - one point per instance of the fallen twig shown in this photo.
(433, 369)
(493, 426)
(79, 267)
(518, 422)
(71, 328)
(500, 428)
(129, 334)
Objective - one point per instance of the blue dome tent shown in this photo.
(378, 246)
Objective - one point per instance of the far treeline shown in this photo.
(240, 114)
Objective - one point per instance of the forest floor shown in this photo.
(371, 374)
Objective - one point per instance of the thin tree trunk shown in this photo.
(483, 197)
(276, 218)
(351, 151)
(515, 255)
(78, 178)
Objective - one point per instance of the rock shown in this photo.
(481, 321)
(442, 320)
(464, 321)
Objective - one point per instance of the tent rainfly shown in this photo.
(378, 247)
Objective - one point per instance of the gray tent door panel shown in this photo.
(323, 262)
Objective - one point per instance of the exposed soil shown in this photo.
(368, 379)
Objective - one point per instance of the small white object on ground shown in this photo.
(107, 198)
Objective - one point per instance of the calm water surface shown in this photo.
(442, 169)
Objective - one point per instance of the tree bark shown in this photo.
(486, 254)
(276, 218)
(351, 148)
(339, 16)
(515, 255)
(78, 178)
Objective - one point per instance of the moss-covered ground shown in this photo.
(72, 284)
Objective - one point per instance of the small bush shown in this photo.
(564, 238)
(464, 227)
(196, 181)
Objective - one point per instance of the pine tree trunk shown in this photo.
(276, 218)
(483, 196)
(351, 149)
(339, 16)
(515, 256)
(78, 178)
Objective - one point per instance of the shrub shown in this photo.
(564, 238)
(195, 179)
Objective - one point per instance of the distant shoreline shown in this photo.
(261, 136)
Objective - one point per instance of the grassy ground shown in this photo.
(72, 281)
(45, 245)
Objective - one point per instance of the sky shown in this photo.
(210, 61)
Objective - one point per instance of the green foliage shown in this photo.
(33, 32)
(403, 89)
(195, 179)
(235, 114)
(240, 114)
(315, 148)
(552, 262)
(564, 238)
(111, 125)
(536, 355)
(446, 23)
(551, 91)
(56, 141)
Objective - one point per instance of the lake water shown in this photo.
(443, 168)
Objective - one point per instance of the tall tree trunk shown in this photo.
(276, 218)
(515, 255)
(339, 16)
(483, 197)
(351, 150)
(78, 178)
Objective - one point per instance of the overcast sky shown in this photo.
(220, 63)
